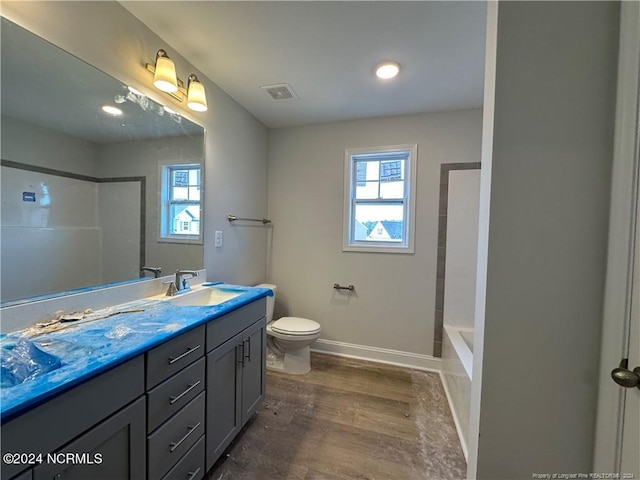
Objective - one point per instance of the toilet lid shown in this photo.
(295, 326)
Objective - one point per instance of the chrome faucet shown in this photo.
(155, 270)
(182, 285)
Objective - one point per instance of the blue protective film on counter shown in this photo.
(87, 349)
(24, 360)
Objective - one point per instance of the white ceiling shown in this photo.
(326, 51)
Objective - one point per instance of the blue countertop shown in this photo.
(88, 349)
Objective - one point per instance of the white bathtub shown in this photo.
(457, 365)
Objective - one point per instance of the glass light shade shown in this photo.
(165, 76)
(387, 70)
(196, 98)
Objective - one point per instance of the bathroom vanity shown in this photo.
(165, 408)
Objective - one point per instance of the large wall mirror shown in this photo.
(89, 197)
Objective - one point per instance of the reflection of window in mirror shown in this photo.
(180, 203)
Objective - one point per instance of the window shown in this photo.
(379, 206)
(180, 218)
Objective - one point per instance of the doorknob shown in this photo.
(625, 377)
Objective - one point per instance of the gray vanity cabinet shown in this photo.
(164, 415)
(28, 475)
(224, 391)
(113, 449)
(235, 374)
(104, 415)
(176, 406)
(253, 371)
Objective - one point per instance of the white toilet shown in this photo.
(288, 340)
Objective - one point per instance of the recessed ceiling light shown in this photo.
(387, 70)
(116, 112)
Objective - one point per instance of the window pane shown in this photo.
(391, 170)
(184, 220)
(194, 177)
(179, 193)
(367, 191)
(373, 170)
(392, 189)
(180, 178)
(379, 223)
(194, 193)
(361, 173)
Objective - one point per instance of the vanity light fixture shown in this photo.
(196, 98)
(386, 70)
(165, 79)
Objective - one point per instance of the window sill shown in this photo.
(181, 240)
(377, 249)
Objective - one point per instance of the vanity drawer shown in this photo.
(171, 357)
(191, 466)
(173, 439)
(174, 393)
(222, 329)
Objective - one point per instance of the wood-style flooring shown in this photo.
(348, 419)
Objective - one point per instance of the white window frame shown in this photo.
(164, 220)
(408, 202)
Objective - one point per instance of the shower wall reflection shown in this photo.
(81, 189)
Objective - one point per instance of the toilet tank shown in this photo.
(270, 300)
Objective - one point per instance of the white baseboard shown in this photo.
(380, 355)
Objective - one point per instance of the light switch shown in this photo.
(217, 242)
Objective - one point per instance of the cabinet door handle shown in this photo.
(173, 400)
(174, 445)
(241, 345)
(192, 475)
(173, 360)
(248, 340)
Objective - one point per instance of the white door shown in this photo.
(630, 458)
(617, 443)
(630, 455)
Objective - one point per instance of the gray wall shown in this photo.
(395, 300)
(552, 154)
(28, 143)
(107, 36)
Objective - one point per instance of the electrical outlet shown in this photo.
(217, 242)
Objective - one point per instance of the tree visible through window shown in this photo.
(379, 204)
(181, 202)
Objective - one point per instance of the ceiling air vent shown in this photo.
(280, 91)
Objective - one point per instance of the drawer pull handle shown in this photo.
(193, 475)
(174, 445)
(173, 360)
(173, 400)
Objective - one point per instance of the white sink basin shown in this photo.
(204, 296)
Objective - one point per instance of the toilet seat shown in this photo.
(295, 326)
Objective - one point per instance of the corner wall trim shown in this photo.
(376, 354)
